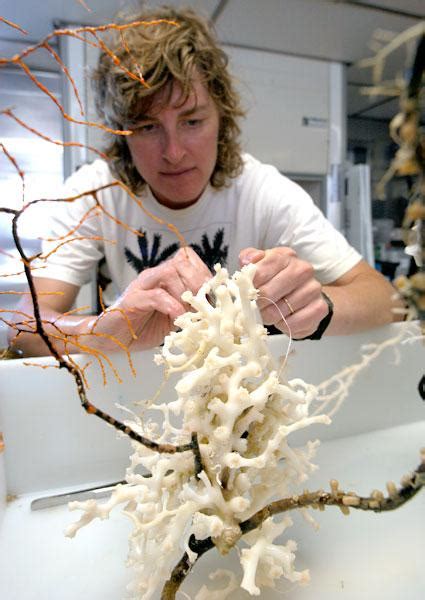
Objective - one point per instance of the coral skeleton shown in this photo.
(231, 394)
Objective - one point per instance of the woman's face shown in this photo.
(174, 146)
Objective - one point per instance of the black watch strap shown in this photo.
(324, 322)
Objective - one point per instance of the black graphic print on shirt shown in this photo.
(152, 258)
(210, 253)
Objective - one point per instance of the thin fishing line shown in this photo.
(289, 330)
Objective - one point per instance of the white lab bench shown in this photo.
(53, 446)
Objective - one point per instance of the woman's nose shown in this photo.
(173, 148)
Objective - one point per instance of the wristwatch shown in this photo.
(324, 322)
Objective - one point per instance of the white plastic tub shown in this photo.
(52, 445)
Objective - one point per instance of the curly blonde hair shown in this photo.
(167, 51)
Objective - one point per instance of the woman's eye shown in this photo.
(193, 122)
(148, 128)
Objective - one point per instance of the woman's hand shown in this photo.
(287, 287)
(152, 301)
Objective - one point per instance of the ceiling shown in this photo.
(331, 30)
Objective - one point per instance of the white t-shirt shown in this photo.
(261, 208)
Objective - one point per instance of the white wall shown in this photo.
(288, 109)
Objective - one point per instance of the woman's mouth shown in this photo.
(176, 173)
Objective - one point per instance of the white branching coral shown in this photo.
(265, 561)
(231, 394)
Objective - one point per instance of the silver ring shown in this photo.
(288, 304)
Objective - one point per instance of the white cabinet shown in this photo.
(294, 109)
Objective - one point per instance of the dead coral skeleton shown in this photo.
(231, 394)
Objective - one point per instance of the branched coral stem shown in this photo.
(376, 502)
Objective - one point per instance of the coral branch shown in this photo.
(36, 326)
(84, 5)
(9, 113)
(377, 502)
(14, 162)
(65, 70)
(117, 61)
(14, 25)
(52, 97)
